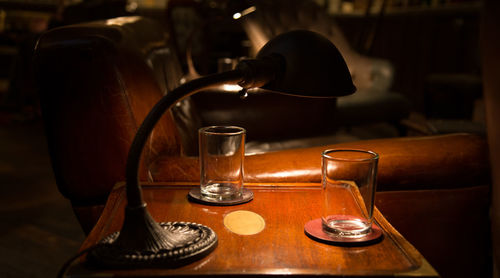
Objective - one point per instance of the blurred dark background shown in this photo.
(432, 47)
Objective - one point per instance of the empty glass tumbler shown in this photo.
(349, 184)
(222, 151)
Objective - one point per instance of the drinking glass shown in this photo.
(222, 150)
(349, 184)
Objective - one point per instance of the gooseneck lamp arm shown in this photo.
(142, 242)
(134, 194)
(300, 63)
(248, 74)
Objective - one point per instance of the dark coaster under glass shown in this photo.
(314, 230)
(245, 197)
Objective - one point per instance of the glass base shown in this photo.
(245, 197)
(314, 230)
(220, 192)
(346, 226)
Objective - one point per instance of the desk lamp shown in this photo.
(300, 63)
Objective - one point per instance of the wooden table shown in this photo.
(282, 248)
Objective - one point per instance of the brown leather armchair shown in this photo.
(373, 103)
(98, 81)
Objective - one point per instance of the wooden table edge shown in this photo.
(423, 267)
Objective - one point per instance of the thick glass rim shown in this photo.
(326, 154)
(222, 130)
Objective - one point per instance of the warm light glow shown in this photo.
(122, 20)
(290, 173)
(257, 38)
(279, 271)
(231, 88)
(244, 12)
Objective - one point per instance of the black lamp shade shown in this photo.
(311, 66)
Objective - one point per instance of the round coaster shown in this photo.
(246, 196)
(314, 230)
(244, 222)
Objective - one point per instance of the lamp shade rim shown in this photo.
(310, 66)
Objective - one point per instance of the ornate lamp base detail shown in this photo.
(201, 241)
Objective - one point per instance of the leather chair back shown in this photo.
(95, 90)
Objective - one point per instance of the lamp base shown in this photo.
(113, 256)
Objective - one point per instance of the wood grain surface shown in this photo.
(282, 248)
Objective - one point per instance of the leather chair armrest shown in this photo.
(431, 162)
